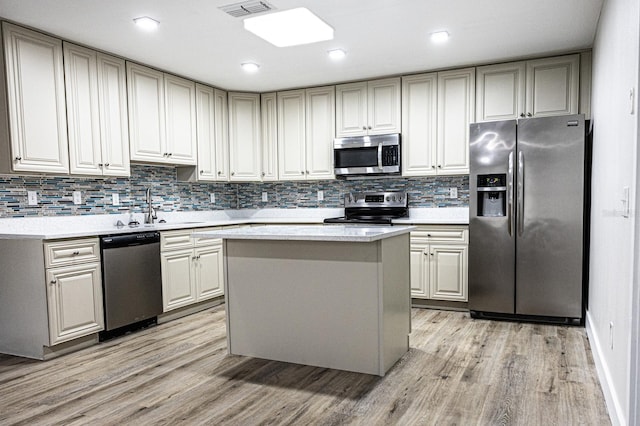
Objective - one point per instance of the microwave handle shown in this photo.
(380, 156)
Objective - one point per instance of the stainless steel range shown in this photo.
(373, 208)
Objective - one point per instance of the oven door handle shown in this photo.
(380, 156)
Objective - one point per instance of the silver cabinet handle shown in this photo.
(520, 195)
(380, 156)
(510, 195)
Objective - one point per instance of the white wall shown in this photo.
(613, 245)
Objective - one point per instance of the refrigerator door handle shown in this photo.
(520, 195)
(510, 195)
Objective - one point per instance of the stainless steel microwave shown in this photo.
(367, 155)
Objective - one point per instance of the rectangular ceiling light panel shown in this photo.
(290, 27)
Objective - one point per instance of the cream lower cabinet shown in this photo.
(192, 269)
(439, 263)
(74, 289)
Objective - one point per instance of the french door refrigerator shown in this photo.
(526, 215)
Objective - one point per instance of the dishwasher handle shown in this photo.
(126, 240)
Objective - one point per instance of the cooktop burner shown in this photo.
(373, 208)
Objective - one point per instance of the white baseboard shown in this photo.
(616, 413)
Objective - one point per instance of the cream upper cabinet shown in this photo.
(368, 108)
(244, 136)
(536, 88)
(96, 113)
(145, 91)
(162, 117)
(269, 111)
(291, 135)
(419, 124)
(36, 102)
(500, 91)
(221, 117)
(211, 136)
(553, 86)
(456, 107)
(306, 125)
(320, 125)
(205, 133)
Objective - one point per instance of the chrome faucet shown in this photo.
(150, 215)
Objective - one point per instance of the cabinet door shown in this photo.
(145, 95)
(81, 74)
(320, 123)
(456, 105)
(383, 105)
(269, 111)
(500, 92)
(448, 272)
(291, 135)
(221, 134)
(209, 272)
(114, 131)
(74, 299)
(36, 101)
(552, 86)
(244, 136)
(419, 124)
(205, 132)
(178, 283)
(180, 120)
(419, 261)
(351, 109)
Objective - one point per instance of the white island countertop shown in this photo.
(345, 233)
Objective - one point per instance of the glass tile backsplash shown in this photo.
(55, 193)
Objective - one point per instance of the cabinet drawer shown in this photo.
(172, 240)
(441, 234)
(201, 242)
(71, 252)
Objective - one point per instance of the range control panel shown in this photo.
(376, 199)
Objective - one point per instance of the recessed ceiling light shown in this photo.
(146, 23)
(290, 27)
(337, 54)
(250, 66)
(439, 36)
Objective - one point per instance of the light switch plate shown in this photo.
(115, 199)
(453, 192)
(320, 195)
(265, 197)
(212, 198)
(32, 197)
(77, 197)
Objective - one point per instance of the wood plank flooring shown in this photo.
(459, 371)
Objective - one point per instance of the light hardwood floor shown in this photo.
(458, 371)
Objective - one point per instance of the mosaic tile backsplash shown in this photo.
(55, 193)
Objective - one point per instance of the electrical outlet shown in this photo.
(32, 197)
(453, 192)
(77, 197)
(212, 198)
(320, 195)
(265, 197)
(115, 199)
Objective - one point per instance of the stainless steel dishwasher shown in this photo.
(131, 280)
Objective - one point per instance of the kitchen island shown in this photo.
(330, 296)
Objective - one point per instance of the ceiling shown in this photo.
(197, 40)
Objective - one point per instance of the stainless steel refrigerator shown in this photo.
(526, 216)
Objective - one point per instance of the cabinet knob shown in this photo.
(193, 257)
(301, 172)
(439, 166)
(369, 127)
(233, 173)
(529, 114)
(106, 165)
(170, 154)
(201, 172)
(433, 166)
(219, 172)
(428, 235)
(100, 165)
(431, 254)
(522, 114)
(76, 253)
(18, 158)
(263, 173)
(164, 155)
(53, 281)
(307, 172)
(364, 127)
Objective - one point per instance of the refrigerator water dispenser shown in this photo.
(492, 195)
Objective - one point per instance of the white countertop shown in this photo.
(57, 227)
(342, 233)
